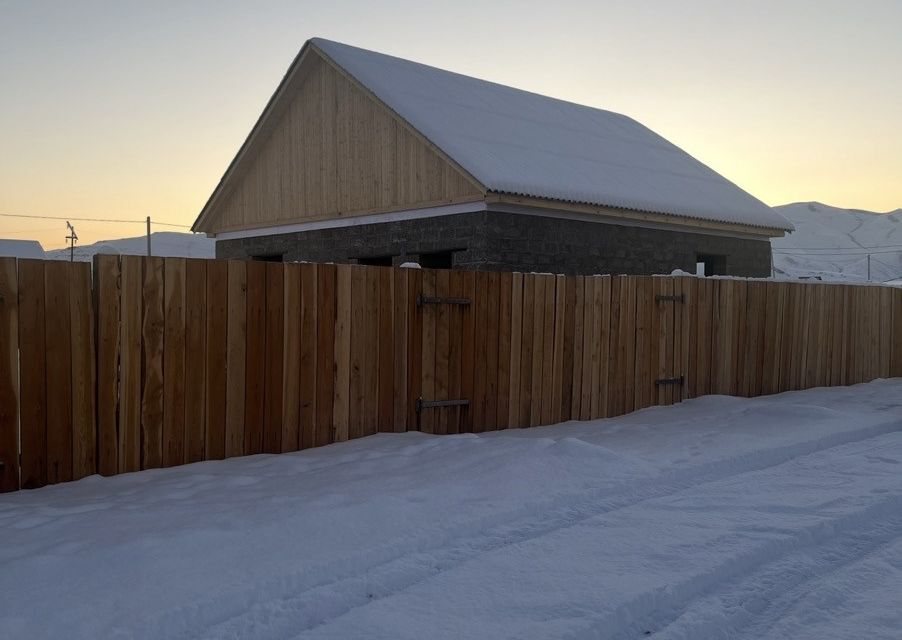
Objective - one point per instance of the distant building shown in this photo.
(368, 158)
(21, 249)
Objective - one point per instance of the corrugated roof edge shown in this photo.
(588, 203)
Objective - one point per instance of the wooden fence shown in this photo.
(151, 362)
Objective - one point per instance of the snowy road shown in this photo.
(776, 517)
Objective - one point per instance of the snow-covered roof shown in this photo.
(21, 249)
(522, 143)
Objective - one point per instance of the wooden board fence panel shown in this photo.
(157, 362)
(84, 378)
(174, 365)
(9, 376)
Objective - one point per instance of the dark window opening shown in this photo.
(715, 265)
(269, 257)
(437, 260)
(376, 261)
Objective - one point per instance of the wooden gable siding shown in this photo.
(335, 150)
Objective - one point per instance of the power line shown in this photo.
(835, 252)
(163, 224)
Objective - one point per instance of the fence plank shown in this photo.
(492, 309)
(84, 379)
(255, 361)
(344, 369)
(325, 353)
(527, 344)
(538, 351)
(400, 343)
(9, 376)
(442, 351)
(217, 335)
(589, 352)
(130, 364)
(152, 364)
(415, 347)
(32, 374)
(455, 363)
(272, 385)
(428, 313)
(566, 393)
(546, 390)
(58, 340)
(505, 292)
(386, 354)
(107, 308)
(174, 373)
(236, 359)
(308, 361)
(291, 362)
(516, 350)
(371, 352)
(195, 358)
(357, 354)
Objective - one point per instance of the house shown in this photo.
(364, 157)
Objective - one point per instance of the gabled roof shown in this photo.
(521, 143)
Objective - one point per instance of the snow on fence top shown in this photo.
(522, 143)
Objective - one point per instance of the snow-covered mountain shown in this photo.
(162, 243)
(21, 249)
(834, 244)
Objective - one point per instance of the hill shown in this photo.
(833, 243)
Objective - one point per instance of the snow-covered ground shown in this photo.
(162, 243)
(833, 244)
(775, 517)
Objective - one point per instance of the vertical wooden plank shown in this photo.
(615, 381)
(527, 346)
(442, 351)
(896, 359)
(308, 362)
(886, 328)
(325, 353)
(603, 320)
(428, 313)
(236, 358)
(275, 328)
(628, 339)
(593, 376)
(217, 326)
(772, 337)
(255, 362)
(386, 355)
(704, 337)
(457, 289)
(415, 348)
(58, 340)
(9, 376)
(505, 284)
(195, 379)
(516, 349)
(357, 387)
(589, 352)
(291, 357)
(646, 342)
(174, 370)
(566, 391)
(152, 378)
(344, 363)
(576, 393)
(130, 364)
(492, 309)
(538, 351)
(32, 374)
(84, 378)
(107, 309)
(682, 330)
(371, 352)
(547, 390)
(400, 321)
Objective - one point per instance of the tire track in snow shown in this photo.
(777, 566)
(289, 605)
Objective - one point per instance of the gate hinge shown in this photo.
(421, 300)
(434, 404)
(665, 381)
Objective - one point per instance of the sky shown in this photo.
(126, 109)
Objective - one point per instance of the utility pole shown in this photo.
(148, 235)
(72, 238)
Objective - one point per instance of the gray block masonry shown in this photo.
(496, 241)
